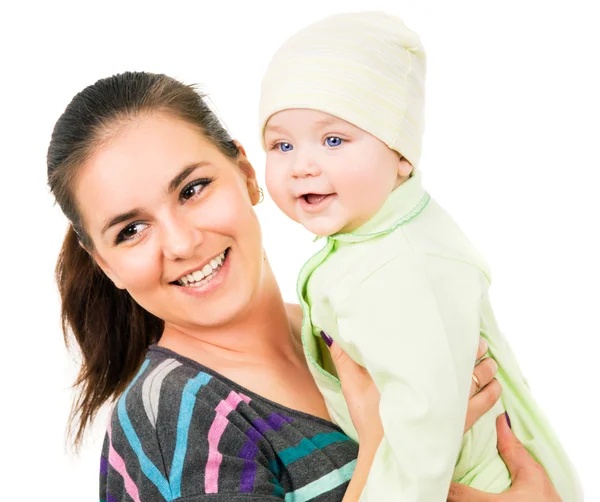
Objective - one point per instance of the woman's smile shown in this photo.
(207, 278)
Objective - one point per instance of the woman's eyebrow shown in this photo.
(183, 174)
(120, 219)
(173, 185)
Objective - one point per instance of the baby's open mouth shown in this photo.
(316, 198)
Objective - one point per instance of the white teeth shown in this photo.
(200, 277)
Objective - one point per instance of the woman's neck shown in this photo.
(262, 333)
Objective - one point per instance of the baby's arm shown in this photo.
(415, 327)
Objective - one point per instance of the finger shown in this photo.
(482, 349)
(346, 367)
(515, 456)
(462, 493)
(483, 374)
(482, 402)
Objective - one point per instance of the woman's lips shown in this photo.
(216, 280)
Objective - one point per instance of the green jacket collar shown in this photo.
(402, 205)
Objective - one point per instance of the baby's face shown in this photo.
(327, 174)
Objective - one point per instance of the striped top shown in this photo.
(181, 431)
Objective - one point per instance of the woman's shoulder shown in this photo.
(166, 419)
(181, 429)
(164, 385)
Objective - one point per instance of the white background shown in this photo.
(511, 150)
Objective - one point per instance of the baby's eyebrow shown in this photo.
(332, 121)
(329, 121)
(274, 128)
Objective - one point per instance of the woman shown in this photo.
(166, 287)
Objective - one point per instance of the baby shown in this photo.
(397, 285)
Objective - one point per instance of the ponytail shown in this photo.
(110, 328)
(112, 331)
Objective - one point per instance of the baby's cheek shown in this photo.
(278, 192)
(365, 191)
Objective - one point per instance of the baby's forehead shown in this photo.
(296, 118)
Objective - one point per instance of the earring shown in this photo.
(262, 195)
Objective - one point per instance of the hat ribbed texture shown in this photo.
(366, 68)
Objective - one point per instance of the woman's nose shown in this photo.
(180, 239)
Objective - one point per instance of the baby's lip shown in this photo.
(315, 198)
(314, 203)
(304, 194)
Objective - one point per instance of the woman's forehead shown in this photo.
(152, 148)
(139, 163)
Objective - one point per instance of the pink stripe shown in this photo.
(246, 399)
(226, 406)
(118, 464)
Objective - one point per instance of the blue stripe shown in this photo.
(278, 490)
(322, 485)
(307, 446)
(188, 399)
(325, 439)
(274, 467)
(148, 468)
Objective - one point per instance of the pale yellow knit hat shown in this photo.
(367, 68)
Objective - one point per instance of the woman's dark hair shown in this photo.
(110, 328)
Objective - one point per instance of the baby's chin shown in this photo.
(321, 226)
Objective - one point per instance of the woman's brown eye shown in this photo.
(189, 192)
(194, 188)
(130, 232)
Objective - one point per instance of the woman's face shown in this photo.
(172, 222)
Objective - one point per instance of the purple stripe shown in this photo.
(248, 475)
(277, 421)
(260, 426)
(274, 422)
(248, 451)
(254, 435)
(110, 498)
(103, 466)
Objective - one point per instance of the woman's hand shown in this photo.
(485, 395)
(363, 398)
(360, 394)
(530, 483)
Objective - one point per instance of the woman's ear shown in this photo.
(240, 147)
(249, 173)
(253, 191)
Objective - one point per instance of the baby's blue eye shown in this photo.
(334, 141)
(285, 147)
